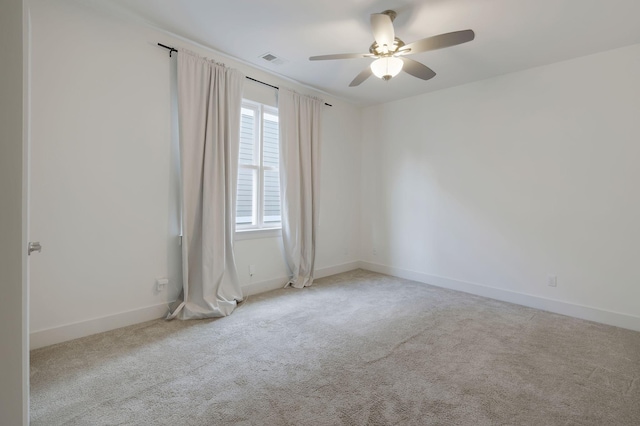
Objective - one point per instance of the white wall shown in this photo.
(105, 174)
(13, 339)
(102, 178)
(505, 181)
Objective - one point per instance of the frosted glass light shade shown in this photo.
(386, 67)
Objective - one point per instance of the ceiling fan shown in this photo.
(390, 52)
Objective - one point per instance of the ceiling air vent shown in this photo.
(270, 57)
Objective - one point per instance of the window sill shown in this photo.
(250, 234)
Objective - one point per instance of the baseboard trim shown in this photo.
(564, 308)
(42, 338)
(51, 336)
(336, 269)
(263, 286)
(274, 284)
(63, 333)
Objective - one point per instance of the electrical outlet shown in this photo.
(552, 281)
(161, 284)
(252, 270)
(374, 251)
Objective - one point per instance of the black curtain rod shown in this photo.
(173, 49)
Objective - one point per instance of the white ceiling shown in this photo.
(511, 35)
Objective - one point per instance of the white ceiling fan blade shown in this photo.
(365, 74)
(382, 28)
(341, 56)
(417, 69)
(440, 41)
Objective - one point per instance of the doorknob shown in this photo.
(35, 246)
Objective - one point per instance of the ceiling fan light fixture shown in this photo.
(386, 67)
(390, 52)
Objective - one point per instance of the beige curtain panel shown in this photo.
(300, 120)
(209, 101)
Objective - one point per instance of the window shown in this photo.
(258, 201)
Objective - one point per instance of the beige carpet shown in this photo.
(356, 348)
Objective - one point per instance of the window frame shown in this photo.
(258, 227)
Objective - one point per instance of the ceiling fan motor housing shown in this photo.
(377, 50)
